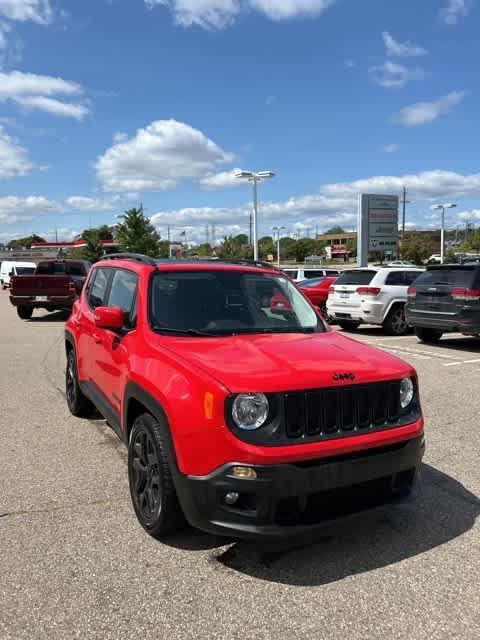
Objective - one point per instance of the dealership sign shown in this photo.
(377, 226)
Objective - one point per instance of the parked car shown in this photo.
(242, 412)
(9, 269)
(316, 291)
(443, 299)
(305, 273)
(372, 295)
(54, 285)
(401, 263)
(435, 258)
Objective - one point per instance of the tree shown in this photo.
(304, 247)
(137, 234)
(450, 257)
(416, 249)
(472, 243)
(266, 247)
(336, 229)
(25, 242)
(94, 248)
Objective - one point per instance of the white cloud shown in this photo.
(401, 49)
(158, 156)
(468, 216)
(84, 203)
(392, 75)
(287, 9)
(39, 11)
(455, 10)
(427, 112)
(14, 160)
(390, 148)
(218, 14)
(14, 205)
(221, 180)
(38, 92)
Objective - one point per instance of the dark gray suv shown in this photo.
(443, 299)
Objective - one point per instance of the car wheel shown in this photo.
(151, 484)
(428, 335)
(395, 323)
(348, 325)
(78, 404)
(25, 313)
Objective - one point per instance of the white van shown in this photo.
(10, 269)
(306, 273)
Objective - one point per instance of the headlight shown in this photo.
(250, 411)
(407, 391)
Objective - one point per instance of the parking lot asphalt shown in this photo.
(74, 563)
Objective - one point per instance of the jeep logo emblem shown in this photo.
(343, 376)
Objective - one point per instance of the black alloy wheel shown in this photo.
(151, 484)
(78, 404)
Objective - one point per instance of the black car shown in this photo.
(443, 299)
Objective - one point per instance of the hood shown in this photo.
(280, 362)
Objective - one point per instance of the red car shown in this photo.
(242, 412)
(316, 290)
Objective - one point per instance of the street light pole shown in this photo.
(278, 230)
(255, 178)
(442, 208)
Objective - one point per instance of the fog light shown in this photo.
(244, 473)
(231, 497)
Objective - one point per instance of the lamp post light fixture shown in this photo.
(442, 207)
(278, 231)
(255, 178)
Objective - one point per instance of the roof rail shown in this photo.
(252, 263)
(138, 257)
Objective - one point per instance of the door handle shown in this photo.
(97, 338)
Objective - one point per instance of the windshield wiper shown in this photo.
(275, 330)
(184, 332)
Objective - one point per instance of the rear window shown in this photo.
(25, 271)
(459, 277)
(355, 277)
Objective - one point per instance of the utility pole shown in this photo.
(250, 227)
(214, 231)
(404, 202)
(168, 234)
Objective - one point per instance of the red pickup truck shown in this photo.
(56, 284)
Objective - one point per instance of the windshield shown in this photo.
(227, 303)
(355, 277)
(25, 271)
(458, 277)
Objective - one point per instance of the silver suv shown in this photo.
(372, 295)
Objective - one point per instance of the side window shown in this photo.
(411, 276)
(98, 288)
(123, 294)
(396, 278)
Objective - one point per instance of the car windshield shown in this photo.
(228, 302)
(458, 277)
(355, 277)
(25, 271)
(308, 284)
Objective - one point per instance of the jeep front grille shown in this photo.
(326, 413)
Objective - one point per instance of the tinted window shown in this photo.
(292, 274)
(396, 278)
(45, 269)
(459, 277)
(24, 271)
(356, 277)
(331, 272)
(123, 292)
(75, 269)
(411, 276)
(98, 288)
(311, 273)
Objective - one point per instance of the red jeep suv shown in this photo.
(244, 414)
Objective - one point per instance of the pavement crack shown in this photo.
(66, 507)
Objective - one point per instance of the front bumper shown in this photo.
(292, 499)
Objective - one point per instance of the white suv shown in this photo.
(306, 273)
(372, 295)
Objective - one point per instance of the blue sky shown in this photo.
(108, 103)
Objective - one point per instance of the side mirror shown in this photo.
(12, 273)
(112, 318)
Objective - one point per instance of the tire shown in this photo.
(395, 324)
(428, 335)
(25, 313)
(348, 325)
(78, 404)
(152, 490)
